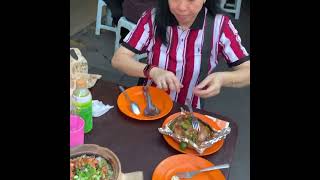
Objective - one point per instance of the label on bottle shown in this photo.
(82, 99)
(83, 108)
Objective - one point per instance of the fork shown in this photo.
(151, 109)
(188, 175)
(195, 123)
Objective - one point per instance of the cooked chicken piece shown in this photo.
(183, 127)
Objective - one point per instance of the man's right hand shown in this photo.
(165, 79)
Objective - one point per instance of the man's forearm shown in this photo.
(238, 78)
(128, 65)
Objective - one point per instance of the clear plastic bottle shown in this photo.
(81, 101)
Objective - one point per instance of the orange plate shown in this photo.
(214, 148)
(159, 98)
(182, 163)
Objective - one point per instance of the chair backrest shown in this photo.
(222, 3)
(233, 7)
(124, 23)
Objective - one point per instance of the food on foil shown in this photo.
(181, 130)
(182, 127)
(90, 167)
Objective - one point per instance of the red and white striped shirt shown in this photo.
(182, 55)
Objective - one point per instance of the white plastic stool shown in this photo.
(231, 8)
(100, 26)
(124, 23)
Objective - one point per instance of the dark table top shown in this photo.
(138, 144)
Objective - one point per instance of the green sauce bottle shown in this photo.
(82, 103)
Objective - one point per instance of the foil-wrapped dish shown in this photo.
(181, 130)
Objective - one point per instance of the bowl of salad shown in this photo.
(93, 162)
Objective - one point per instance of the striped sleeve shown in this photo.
(230, 44)
(139, 37)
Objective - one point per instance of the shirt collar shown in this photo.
(197, 24)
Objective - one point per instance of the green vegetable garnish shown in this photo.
(183, 146)
(185, 125)
(172, 125)
(88, 172)
(194, 138)
(190, 119)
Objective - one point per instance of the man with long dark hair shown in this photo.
(173, 35)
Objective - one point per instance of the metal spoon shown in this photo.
(133, 105)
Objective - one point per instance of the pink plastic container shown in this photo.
(76, 130)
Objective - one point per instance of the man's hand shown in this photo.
(210, 86)
(165, 79)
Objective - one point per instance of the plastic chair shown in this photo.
(108, 26)
(124, 23)
(231, 7)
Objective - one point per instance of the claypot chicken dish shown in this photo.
(90, 168)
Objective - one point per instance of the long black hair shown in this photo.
(164, 17)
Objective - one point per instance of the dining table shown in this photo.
(138, 143)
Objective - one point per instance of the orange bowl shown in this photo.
(183, 163)
(159, 98)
